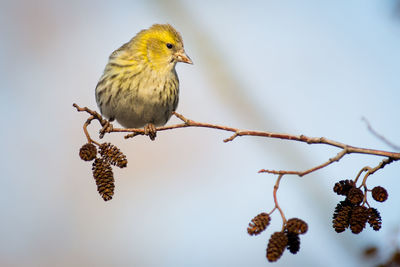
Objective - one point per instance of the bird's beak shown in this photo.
(182, 57)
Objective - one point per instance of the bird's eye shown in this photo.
(169, 46)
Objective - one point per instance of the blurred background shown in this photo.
(300, 67)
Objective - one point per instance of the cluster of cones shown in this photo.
(354, 212)
(288, 238)
(101, 167)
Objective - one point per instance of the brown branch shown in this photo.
(95, 115)
(85, 125)
(346, 149)
(237, 132)
(302, 173)
(366, 168)
(370, 170)
(276, 187)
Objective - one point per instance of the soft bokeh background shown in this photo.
(302, 67)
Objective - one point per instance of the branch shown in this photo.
(276, 187)
(302, 173)
(346, 149)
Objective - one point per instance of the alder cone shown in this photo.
(355, 195)
(358, 219)
(104, 178)
(379, 193)
(258, 224)
(276, 246)
(374, 219)
(113, 155)
(341, 216)
(88, 152)
(297, 226)
(342, 187)
(293, 242)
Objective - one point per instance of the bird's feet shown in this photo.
(150, 130)
(107, 128)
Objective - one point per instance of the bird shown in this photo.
(139, 86)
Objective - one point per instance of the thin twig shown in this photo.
(85, 125)
(361, 171)
(276, 187)
(379, 136)
(371, 171)
(302, 173)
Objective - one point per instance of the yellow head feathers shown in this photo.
(160, 46)
(163, 32)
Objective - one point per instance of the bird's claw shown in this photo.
(150, 130)
(107, 128)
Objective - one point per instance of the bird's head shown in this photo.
(161, 46)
